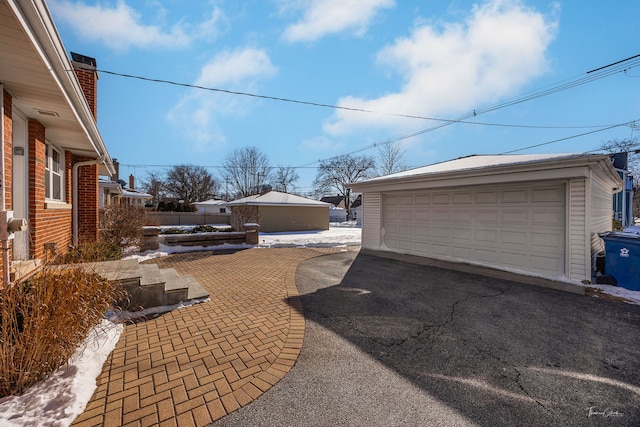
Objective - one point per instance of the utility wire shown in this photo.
(568, 137)
(595, 74)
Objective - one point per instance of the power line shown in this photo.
(598, 73)
(568, 137)
(616, 67)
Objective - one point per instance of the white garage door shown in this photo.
(515, 226)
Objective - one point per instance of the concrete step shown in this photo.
(147, 284)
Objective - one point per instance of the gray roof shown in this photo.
(276, 198)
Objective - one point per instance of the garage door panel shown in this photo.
(422, 248)
(486, 236)
(422, 199)
(422, 215)
(513, 217)
(514, 196)
(486, 255)
(441, 199)
(462, 198)
(513, 259)
(542, 195)
(547, 217)
(421, 231)
(441, 232)
(406, 245)
(512, 226)
(487, 217)
(461, 252)
(405, 215)
(487, 197)
(390, 200)
(541, 241)
(441, 216)
(464, 234)
(547, 264)
(405, 200)
(462, 217)
(513, 237)
(442, 250)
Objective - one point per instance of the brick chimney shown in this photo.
(131, 182)
(85, 68)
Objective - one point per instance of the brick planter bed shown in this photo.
(204, 239)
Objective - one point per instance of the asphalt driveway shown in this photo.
(394, 343)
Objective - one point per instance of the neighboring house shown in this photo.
(337, 201)
(52, 150)
(623, 201)
(110, 193)
(535, 214)
(275, 211)
(356, 210)
(212, 206)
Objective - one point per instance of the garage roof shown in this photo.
(276, 198)
(499, 168)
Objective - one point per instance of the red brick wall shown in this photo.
(8, 143)
(46, 225)
(8, 149)
(89, 82)
(88, 203)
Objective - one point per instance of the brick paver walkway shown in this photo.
(194, 365)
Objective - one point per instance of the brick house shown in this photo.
(52, 150)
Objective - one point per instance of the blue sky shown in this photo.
(429, 59)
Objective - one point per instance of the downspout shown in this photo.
(5, 243)
(76, 196)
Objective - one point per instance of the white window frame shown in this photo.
(51, 173)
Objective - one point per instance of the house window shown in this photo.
(53, 177)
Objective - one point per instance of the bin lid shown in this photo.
(619, 235)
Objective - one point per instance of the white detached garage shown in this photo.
(535, 214)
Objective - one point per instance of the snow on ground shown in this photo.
(58, 400)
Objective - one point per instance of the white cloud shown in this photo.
(120, 27)
(323, 17)
(233, 68)
(454, 67)
(197, 112)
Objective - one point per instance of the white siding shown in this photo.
(371, 221)
(578, 259)
(601, 215)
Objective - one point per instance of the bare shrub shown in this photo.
(44, 319)
(91, 252)
(122, 225)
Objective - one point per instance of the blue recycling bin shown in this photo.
(622, 258)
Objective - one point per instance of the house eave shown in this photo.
(73, 127)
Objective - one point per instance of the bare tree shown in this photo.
(284, 179)
(190, 183)
(246, 170)
(391, 158)
(154, 184)
(334, 175)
